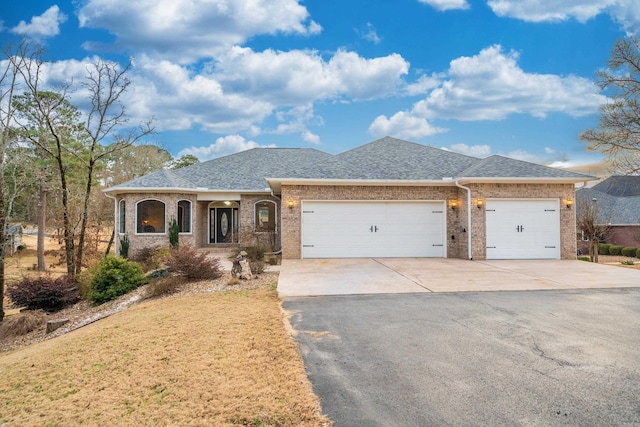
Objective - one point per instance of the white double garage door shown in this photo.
(516, 229)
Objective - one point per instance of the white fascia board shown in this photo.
(522, 180)
(277, 183)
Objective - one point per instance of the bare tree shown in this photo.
(68, 140)
(618, 135)
(589, 221)
(9, 77)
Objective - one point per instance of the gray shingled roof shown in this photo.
(617, 198)
(386, 159)
(244, 171)
(623, 186)
(505, 167)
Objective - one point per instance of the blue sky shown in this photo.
(480, 77)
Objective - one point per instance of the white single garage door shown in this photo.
(372, 229)
(523, 229)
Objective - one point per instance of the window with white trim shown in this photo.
(184, 216)
(122, 217)
(265, 216)
(150, 216)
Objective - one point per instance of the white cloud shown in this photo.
(443, 5)
(180, 99)
(185, 30)
(423, 85)
(369, 34)
(223, 146)
(625, 12)
(43, 26)
(471, 150)
(491, 86)
(298, 76)
(403, 125)
(549, 150)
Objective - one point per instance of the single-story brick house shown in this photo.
(388, 198)
(617, 200)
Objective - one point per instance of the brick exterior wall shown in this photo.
(292, 220)
(248, 235)
(140, 241)
(456, 220)
(199, 236)
(289, 225)
(524, 191)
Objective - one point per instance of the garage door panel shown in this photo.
(372, 229)
(523, 229)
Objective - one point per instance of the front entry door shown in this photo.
(222, 225)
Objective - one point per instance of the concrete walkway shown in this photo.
(313, 277)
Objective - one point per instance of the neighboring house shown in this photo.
(617, 200)
(388, 198)
(14, 238)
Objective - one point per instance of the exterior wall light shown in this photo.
(479, 203)
(453, 204)
(291, 203)
(568, 203)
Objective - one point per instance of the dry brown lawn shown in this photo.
(217, 359)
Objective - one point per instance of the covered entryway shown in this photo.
(223, 222)
(523, 229)
(364, 229)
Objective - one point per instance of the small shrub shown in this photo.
(44, 292)
(188, 262)
(124, 246)
(630, 252)
(115, 277)
(21, 248)
(254, 253)
(615, 250)
(603, 248)
(627, 262)
(584, 258)
(83, 280)
(163, 286)
(638, 253)
(257, 267)
(21, 324)
(174, 234)
(151, 257)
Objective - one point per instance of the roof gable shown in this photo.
(621, 186)
(388, 159)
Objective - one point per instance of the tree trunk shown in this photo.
(85, 216)
(3, 240)
(41, 214)
(113, 235)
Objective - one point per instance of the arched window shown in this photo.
(122, 217)
(184, 216)
(265, 216)
(150, 217)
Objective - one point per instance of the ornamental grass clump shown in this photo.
(115, 277)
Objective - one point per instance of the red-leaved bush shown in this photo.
(194, 265)
(44, 292)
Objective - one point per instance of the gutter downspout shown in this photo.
(468, 218)
(116, 240)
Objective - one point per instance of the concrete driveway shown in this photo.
(410, 275)
(526, 358)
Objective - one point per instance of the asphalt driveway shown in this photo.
(567, 357)
(309, 277)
